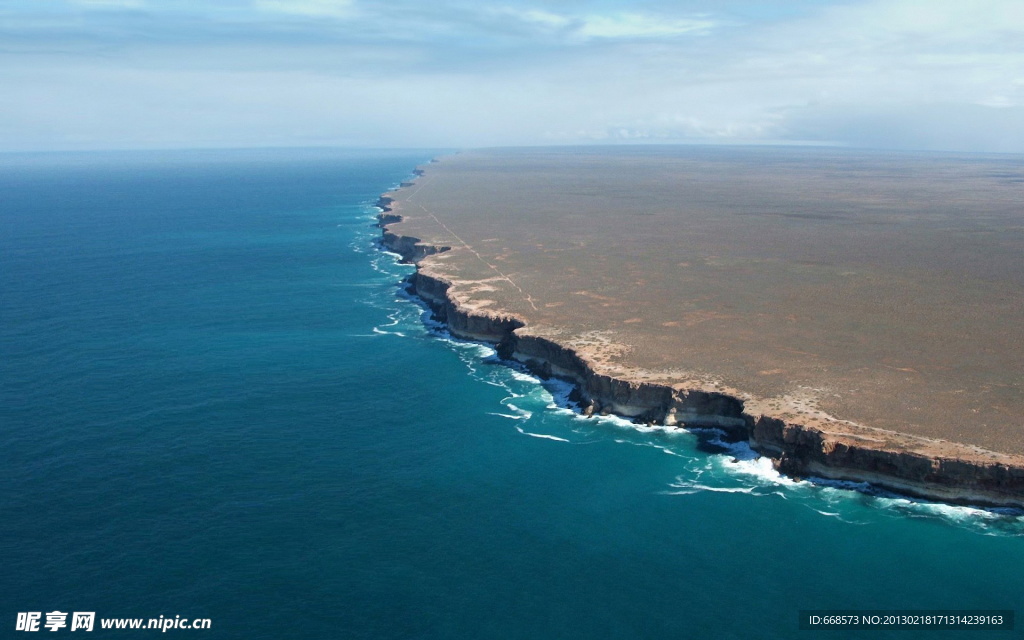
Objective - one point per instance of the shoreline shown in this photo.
(826, 447)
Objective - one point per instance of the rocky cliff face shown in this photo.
(470, 325)
(967, 478)
(642, 401)
(410, 248)
(914, 466)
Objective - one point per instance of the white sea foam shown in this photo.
(484, 351)
(525, 413)
(393, 317)
(388, 262)
(952, 512)
(542, 395)
(739, 450)
(845, 485)
(739, 458)
(830, 514)
(560, 390)
(660, 429)
(840, 493)
(505, 415)
(541, 435)
(690, 489)
(686, 485)
(760, 468)
(616, 421)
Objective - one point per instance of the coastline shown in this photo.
(823, 447)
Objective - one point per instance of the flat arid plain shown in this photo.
(821, 286)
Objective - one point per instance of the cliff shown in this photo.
(829, 449)
(930, 469)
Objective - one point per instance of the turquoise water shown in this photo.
(216, 402)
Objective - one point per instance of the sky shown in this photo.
(893, 74)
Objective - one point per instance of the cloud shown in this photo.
(538, 16)
(638, 25)
(611, 25)
(894, 73)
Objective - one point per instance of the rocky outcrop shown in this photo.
(807, 452)
(384, 219)
(472, 325)
(387, 215)
(410, 248)
(642, 401)
(909, 465)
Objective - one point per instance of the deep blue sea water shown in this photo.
(216, 402)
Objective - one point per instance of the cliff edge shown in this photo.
(815, 445)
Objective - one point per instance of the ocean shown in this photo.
(217, 402)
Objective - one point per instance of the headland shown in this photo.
(854, 315)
